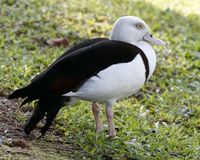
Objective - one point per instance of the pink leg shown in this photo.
(109, 113)
(96, 112)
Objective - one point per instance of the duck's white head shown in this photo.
(132, 29)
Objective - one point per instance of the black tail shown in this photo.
(22, 93)
(48, 106)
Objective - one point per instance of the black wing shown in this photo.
(45, 105)
(70, 71)
(85, 43)
(67, 73)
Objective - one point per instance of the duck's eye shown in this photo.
(139, 26)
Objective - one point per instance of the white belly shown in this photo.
(114, 83)
(118, 81)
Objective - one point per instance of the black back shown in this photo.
(71, 70)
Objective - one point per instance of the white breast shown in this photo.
(150, 54)
(117, 81)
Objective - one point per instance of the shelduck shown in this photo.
(98, 70)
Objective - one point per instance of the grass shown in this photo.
(164, 123)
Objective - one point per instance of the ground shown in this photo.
(15, 145)
(161, 122)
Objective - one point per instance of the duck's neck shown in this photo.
(120, 36)
(150, 54)
(123, 40)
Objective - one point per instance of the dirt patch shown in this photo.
(14, 144)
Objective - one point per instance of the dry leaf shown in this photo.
(58, 42)
(19, 143)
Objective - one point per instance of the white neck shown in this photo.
(122, 38)
(150, 54)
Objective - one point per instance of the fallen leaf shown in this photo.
(58, 42)
(18, 143)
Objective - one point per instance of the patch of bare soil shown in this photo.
(14, 144)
